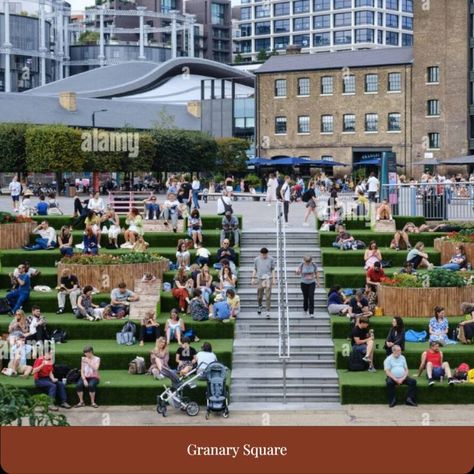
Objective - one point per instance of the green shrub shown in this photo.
(440, 278)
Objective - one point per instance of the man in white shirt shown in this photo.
(195, 188)
(373, 185)
(223, 204)
(285, 194)
(46, 239)
(15, 190)
(205, 357)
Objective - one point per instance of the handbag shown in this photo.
(227, 207)
(125, 338)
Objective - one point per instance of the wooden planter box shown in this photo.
(420, 302)
(446, 248)
(14, 236)
(107, 277)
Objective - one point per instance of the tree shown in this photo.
(231, 154)
(53, 148)
(13, 147)
(239, 59)
(262, 55)
(89, 37)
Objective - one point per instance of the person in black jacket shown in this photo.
(396, 335)
(226, 252)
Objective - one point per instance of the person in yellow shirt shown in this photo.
(233, 300)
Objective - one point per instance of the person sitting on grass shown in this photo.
(363, 341)
(375, 275)
(344, 240)
(186, 358)
(436, 367)
(183, 288)
(96, 204)
(45, 381)
(159, 359)
(111, 226)
(230, 228)
(90, 242)
(396, 370)
(202, 255)
(19, 353)
(227, 253)
(19, 326)
(65, 241)
(372, 255)
(120, 299)
(221, 309)
(174, 327)
(68, 286)
(370, 294)
(439, 326)
(29, 270)
(338, 303)
(198, 307)
(205, 357)
(466, 327)
(195, 227)
(227, 280)
(360, 305)
(42, 206)
(140, 245)
(46, 239)
(233, 300)
(384, 212)
(21, 293)
(204, 283)
(183, 257)
(93, 220)
(135, 227)
(149, 328)
(458, 260)
(418, 258)
(408, 269)
(400, 240)
(36, 325)
(90, 364)
(396, 336)
(170, 211)
(86, 309)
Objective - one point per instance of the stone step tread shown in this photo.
(277, 373)
(280, 406)
(243, 384)
(316, 342)
(326, 397)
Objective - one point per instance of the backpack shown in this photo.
(59, 336)
(137, 366)
(4, 306)
(129, 327)
(307, 195)
(356, 362)
(461, 372)
(358, 245)
(227, 207)
(60, 371)
(470, 376)
(73, 376)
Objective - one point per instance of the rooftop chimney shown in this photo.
(293, 49)
(67, 100)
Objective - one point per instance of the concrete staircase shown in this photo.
(257, 374)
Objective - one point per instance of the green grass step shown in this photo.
(383, 239)
(350, 277)
(362, 223)
(455, 354)
(118, 387)
(348, 258)
(382, 324)
(106, 329)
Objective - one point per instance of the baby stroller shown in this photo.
(216, 392)
(174, 395)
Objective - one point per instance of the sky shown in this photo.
(80, 4)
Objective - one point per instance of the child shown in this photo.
(202, 254)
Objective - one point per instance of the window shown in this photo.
(301, 6)
(262, 28)
(371, 122)
(303, 124)
(280, 88)
(434, 140)
(349, 123)
(262, 11)
(280, 125)
(338, 4)
(262, 44)
(391, 4)
(394, 122)
(407, 40)
(407, 6)
(433, 107)
(281, 26)
(432, 75)
(348, 84)
(364, 3)
(407, 22)
(301, 40)
(364, 35)
(371, 82)
(245, 29)
(343, 19)
(322, 5)
(303, 86)
(327, 86)
(380, 19)
(391, 38)
(322, 39)
(391, 21)
(281, 9)
(327, 124)
(301, 24)
(245, 13)
(342, 37)
(245, 46)
(281, 42)
(218, 13)
(321, 22)
(364, 18)
(394, 82)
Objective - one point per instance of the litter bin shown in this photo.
(72, 191)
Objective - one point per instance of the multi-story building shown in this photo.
(413, 101)
(216, 17)
(322, 25)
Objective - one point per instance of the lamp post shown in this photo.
(93, 115)
(95, 174)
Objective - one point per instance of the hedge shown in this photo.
(362, 223)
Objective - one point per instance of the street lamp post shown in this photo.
(95, 174)
(93, 115)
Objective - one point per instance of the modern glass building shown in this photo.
(322, 25)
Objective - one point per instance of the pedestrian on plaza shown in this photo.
(15, 190)
(285, 195)
(195, 188)
(272, 185)
(264, 275)
(311, 203)
(308, 271)
(373, 185)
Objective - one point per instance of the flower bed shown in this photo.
(105, 272)
(14, 230)
(446, 245)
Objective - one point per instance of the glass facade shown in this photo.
(218, 13)
(349, 123)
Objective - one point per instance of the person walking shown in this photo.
(285, 195)
(264, 275)
(15, 190)
(308, 271)
(195, 188)
(373, 187)
(272, 185)
(309, 196)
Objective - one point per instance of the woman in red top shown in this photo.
(432, 360)
(46, 381)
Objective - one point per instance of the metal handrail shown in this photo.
(282, 282)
